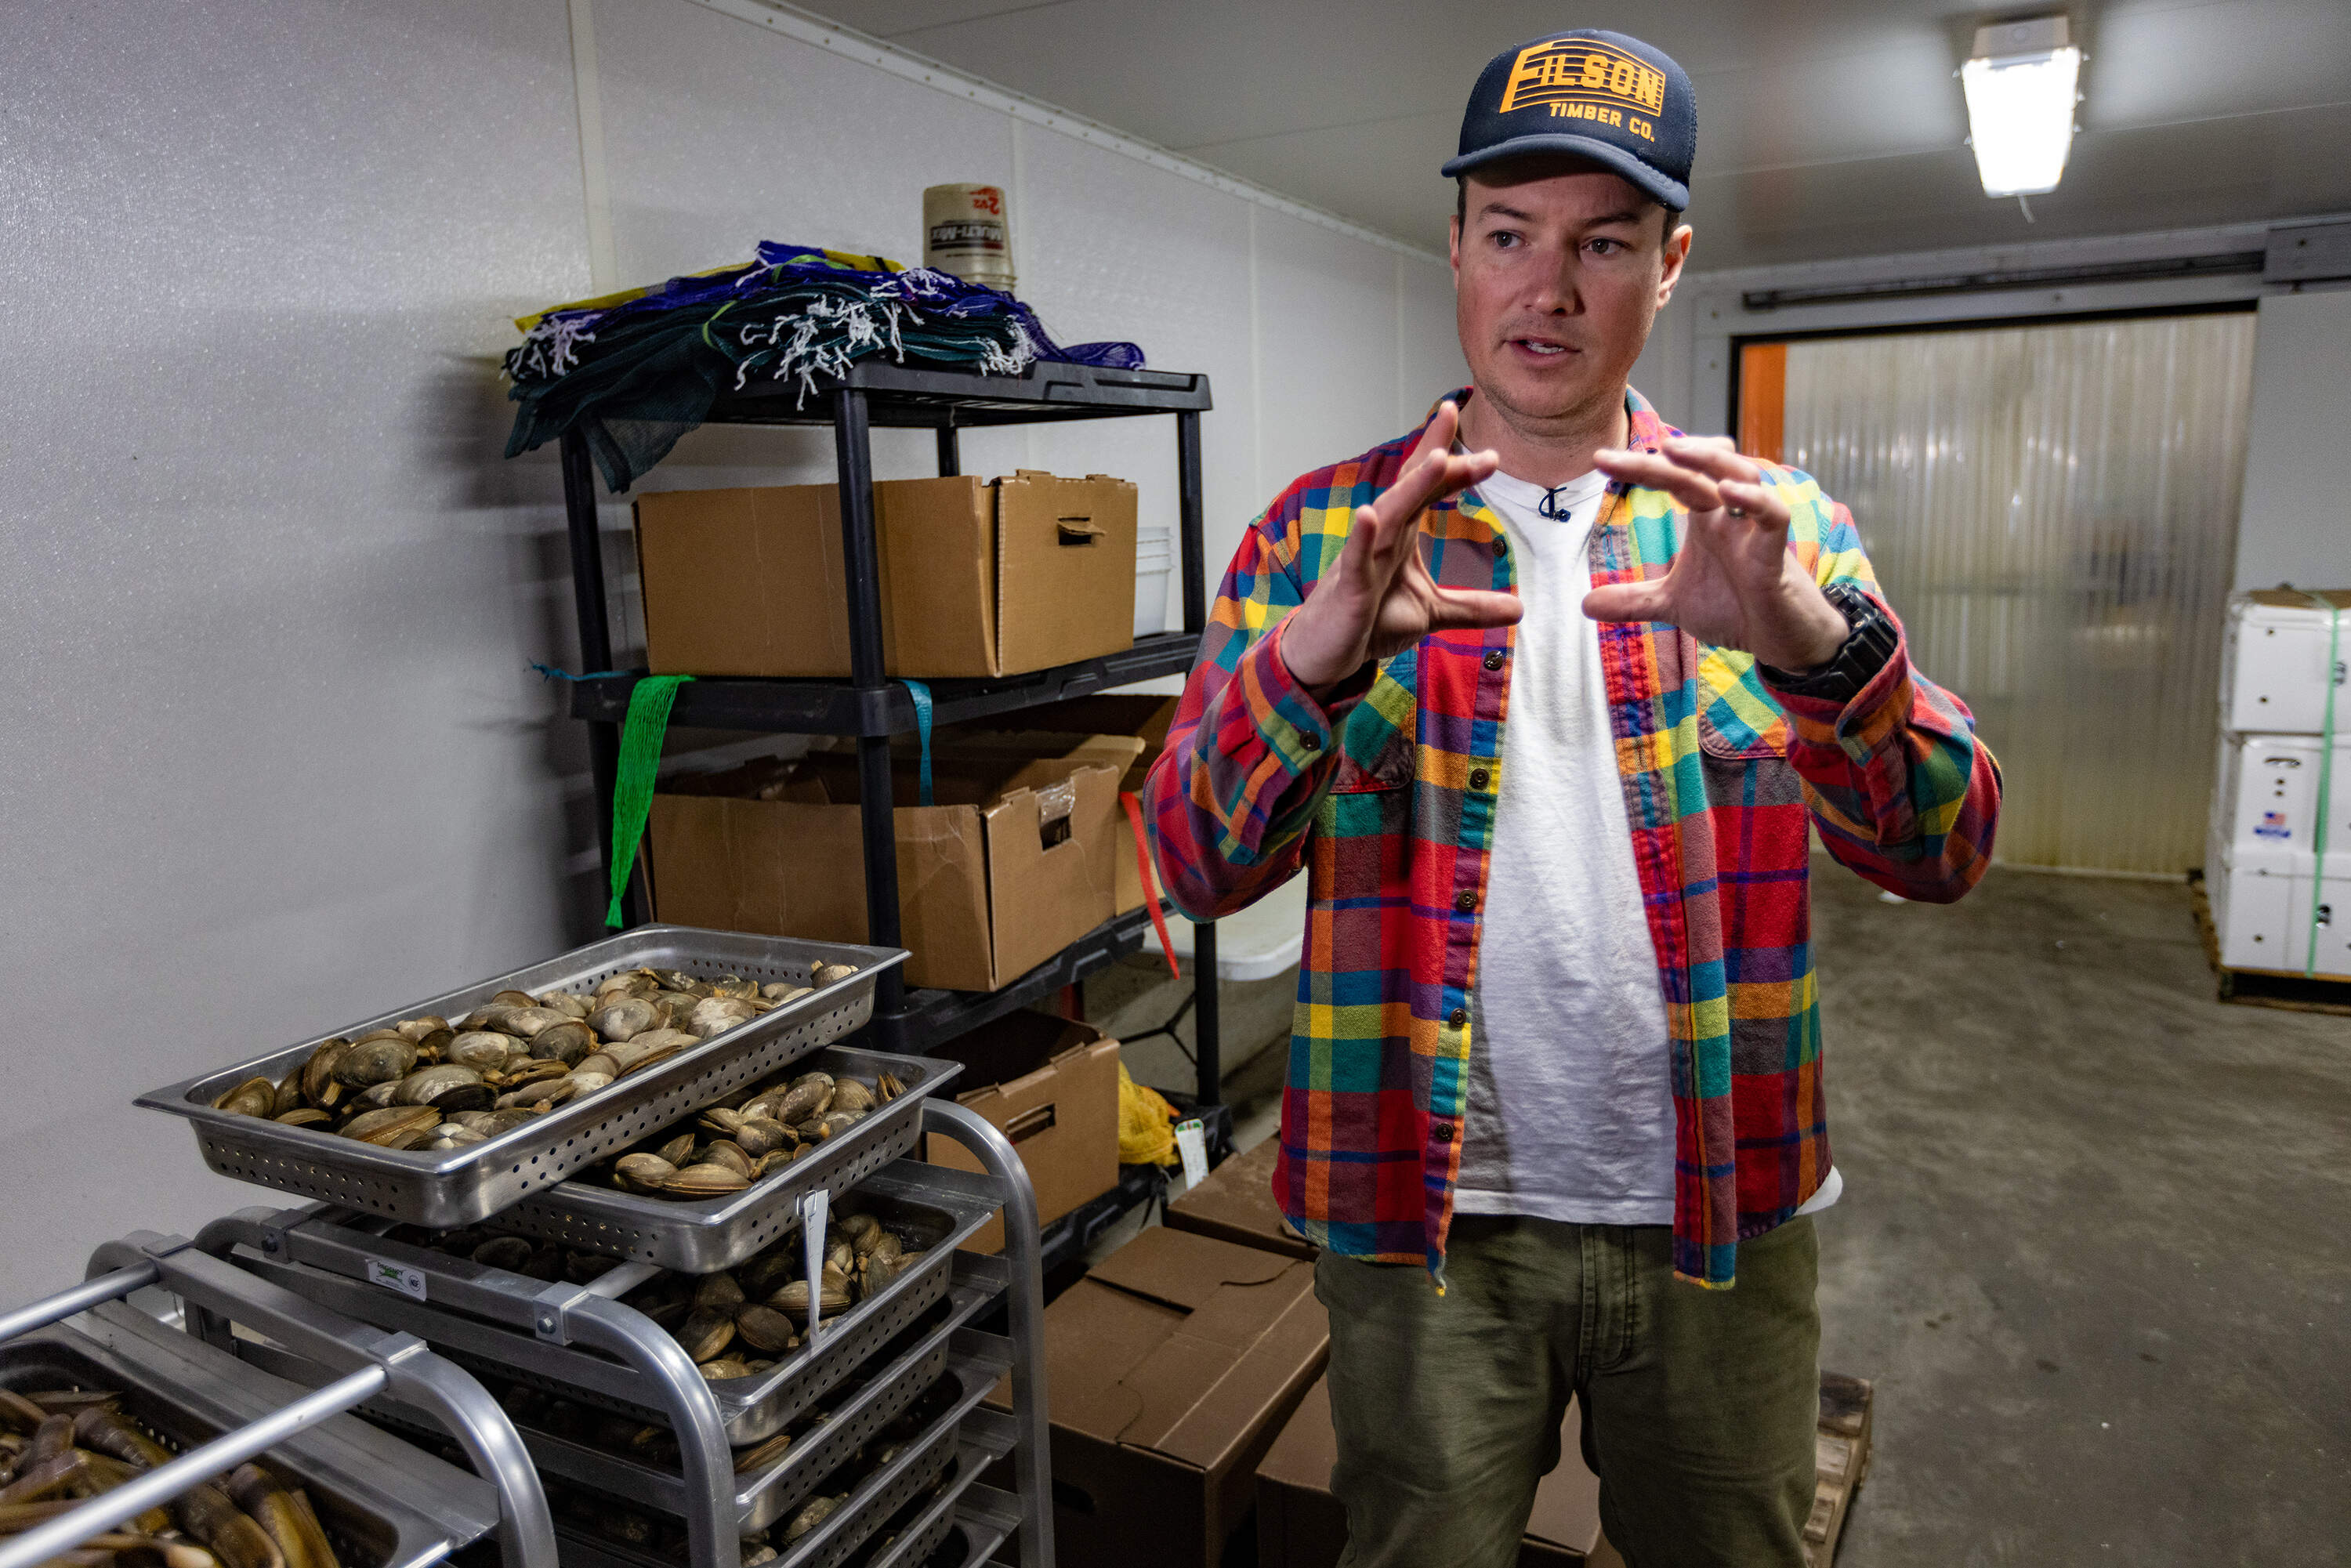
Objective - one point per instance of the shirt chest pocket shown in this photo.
(1377, 743)
(1738, 718)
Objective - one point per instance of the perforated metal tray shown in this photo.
(384, 1503)
(718, 1233)
(461, 1187)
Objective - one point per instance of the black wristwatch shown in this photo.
(1867, 645)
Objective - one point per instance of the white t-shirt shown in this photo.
(1571, 1109)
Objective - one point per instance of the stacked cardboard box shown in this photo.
(2273, 894)
(1051, 1086)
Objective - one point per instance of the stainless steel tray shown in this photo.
(484, 1319)
(461, 1187)
(718, 1233)
(762, 1497)
(970, 1518)
(384, 1503)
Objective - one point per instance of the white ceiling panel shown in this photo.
(1821, 126)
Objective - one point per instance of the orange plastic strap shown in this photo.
(1127, 799)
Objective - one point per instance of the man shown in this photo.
(1544, 711)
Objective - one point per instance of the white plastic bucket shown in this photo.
(1155, 565)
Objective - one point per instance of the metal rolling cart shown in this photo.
(873, 707)
(903, 1362)
(392, 1505)
(870, 1365)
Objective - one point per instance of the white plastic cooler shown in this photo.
(2274, 672)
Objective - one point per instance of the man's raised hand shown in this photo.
(1734, 582)
(1378, 599)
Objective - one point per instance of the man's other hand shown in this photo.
(1379, 598)
(1734, 583)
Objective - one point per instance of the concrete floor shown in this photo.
(2096, 1241)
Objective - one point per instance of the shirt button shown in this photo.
(1310, 742)
(1494, 660)
(1457, 1017)
(1464, 900)
(1477, 778)
(1502, 547)
(1441, 1131)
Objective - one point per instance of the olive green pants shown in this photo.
(1699, 1407)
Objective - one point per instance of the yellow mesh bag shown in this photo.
(1146, 1130)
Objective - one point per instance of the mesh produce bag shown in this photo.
(637, 371)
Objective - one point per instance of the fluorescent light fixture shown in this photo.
(2021, 85)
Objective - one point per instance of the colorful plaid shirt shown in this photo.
(1385, 793)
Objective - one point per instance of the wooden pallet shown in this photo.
(2263, 988)
(1843, 1450)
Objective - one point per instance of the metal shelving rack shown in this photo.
(873, 707)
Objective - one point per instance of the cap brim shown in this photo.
(1672, 193)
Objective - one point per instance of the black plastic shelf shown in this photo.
(840, 708)
(909, 397)
(932, 1017)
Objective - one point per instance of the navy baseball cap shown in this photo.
(1587, 94)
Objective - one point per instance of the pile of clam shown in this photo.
(750, 1133)
(431, 1085)
(59, 1447)
(738, 1322)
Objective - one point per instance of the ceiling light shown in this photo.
(2021, 85)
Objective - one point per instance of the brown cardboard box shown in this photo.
(1170, 1368)
(1109, 853)
(979, 577)
(1002, 873)
(1050, 1085)
(1235, 1204)
(1144, 717)
(1301, 1525)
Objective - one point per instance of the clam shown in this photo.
(529, 1021)
(808, 1519)
(588, 1082)
(484, 1051)
(529, 1069)
(835, 1123)
(676, 980)
(514, 999)
(853, 1096)
(677, 1149)
(379, 1060)
(727, 1152)
(303, 1116)
(765, 1328)
(567, 1042)
(857, 1226)
(598, 1061)
(419, 1029)
(831, 974)
(792, 1300)
(449, 1135)
(253, 1097)
(427, 1084)
(706, 1333)
(288, 1095)
(719, 1291)
(783, 991)
(723, 1368)
(887, 1087)
(706, 1180)
(760, 1137)
(882, 1272)
(719, 1121)
(717, 1015)
(761, 1275)
(490, 1123)
(377, 1098)
(623, 1019)
(758, 1456)
(865, 1239)
(394, 1127)
(655, 1056)
(317, 1073)
(735, 985)
(811, 1094)
(570, 1005)
(642, 1173)
(886, 1248)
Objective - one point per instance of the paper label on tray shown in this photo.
(1192, 1143)
(408, 1281)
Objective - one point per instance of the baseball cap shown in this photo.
(1589, 94)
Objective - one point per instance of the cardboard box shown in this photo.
(979, 578)
(1170, 1369)
(1235, 1204)
(1049, 1085)
(1095, 720)
(1002, 873)
(1299, 1523)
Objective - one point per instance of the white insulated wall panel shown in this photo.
(276, 759)
(1326, 349)
(1429, 346)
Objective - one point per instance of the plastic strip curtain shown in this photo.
(2052, 512)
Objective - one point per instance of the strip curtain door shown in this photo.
(2052, 509)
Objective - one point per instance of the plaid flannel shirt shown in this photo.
(1385, 792)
